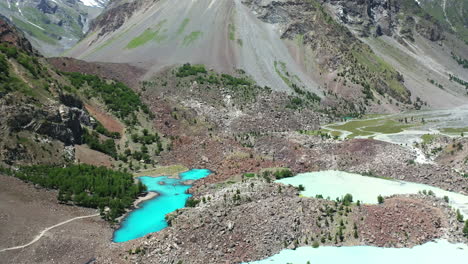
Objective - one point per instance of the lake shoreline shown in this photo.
(148, 196)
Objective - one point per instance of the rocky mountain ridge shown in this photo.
(361, 51)
(52, 26)
(51, 117)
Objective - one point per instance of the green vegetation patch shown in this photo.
(299, 38)
(148, 35)
(189, 70)
(34, 31)
(94, 142)
(118, 97)
(232, 31)
(370, 127)
(461, 61)
(365, 128)
(452, 130)
(282, 173)
(192, 37)
(324, 133)
(388, 127)
(458, 80)
(87, 186)
(142, 39)
(9, 82)
(240, 86)
(182, 26)
(280, 68)
(428, 138)
(375, 67)
(303, 97)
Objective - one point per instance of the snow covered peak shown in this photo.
(94, 3)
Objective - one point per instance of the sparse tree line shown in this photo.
(463, 62)
(458, 80)
(145, 139)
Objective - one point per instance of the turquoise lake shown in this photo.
(437, 252)
(335, 184)
(150, 216)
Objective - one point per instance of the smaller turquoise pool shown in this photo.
(430, 253)
(150, 217)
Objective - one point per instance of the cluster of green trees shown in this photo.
(191, 202)
(380, 199)
(304, 97)
(118, 97)
(366, 90)
(458, 80)
(144, 139)
(460, 60)
(279, 174)
(9, 83)
(211, 79)
(283, 173)
(87, 186)
(465, 229)
(295, 103)
(29, 62)
(106, 146)
(103, 131)
(188, 70)
(435, 83)
(347, 199)
(243, 88)
(234, 81)
(459, 216)
(4, 69)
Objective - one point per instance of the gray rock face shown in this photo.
(47, 7)
(390, 18)
(57, 122)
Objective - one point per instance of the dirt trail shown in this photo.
(47, 229)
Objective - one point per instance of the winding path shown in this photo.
(47, 229)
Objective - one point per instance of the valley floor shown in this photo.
(26, 211)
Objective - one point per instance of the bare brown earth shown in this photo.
(454, 153)
(85, 155)
(393, 222)
(108, 121)
(25, 211)
(130, 75)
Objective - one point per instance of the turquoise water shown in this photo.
(366, 189)
(430, 253)
(150, 217)
(335, 184)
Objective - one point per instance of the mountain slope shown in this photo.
(221, 34)
(452, 14)
(413, 42)
(53, 117)
(327, 47)
(53, 26)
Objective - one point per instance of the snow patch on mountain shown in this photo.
(94, 3)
